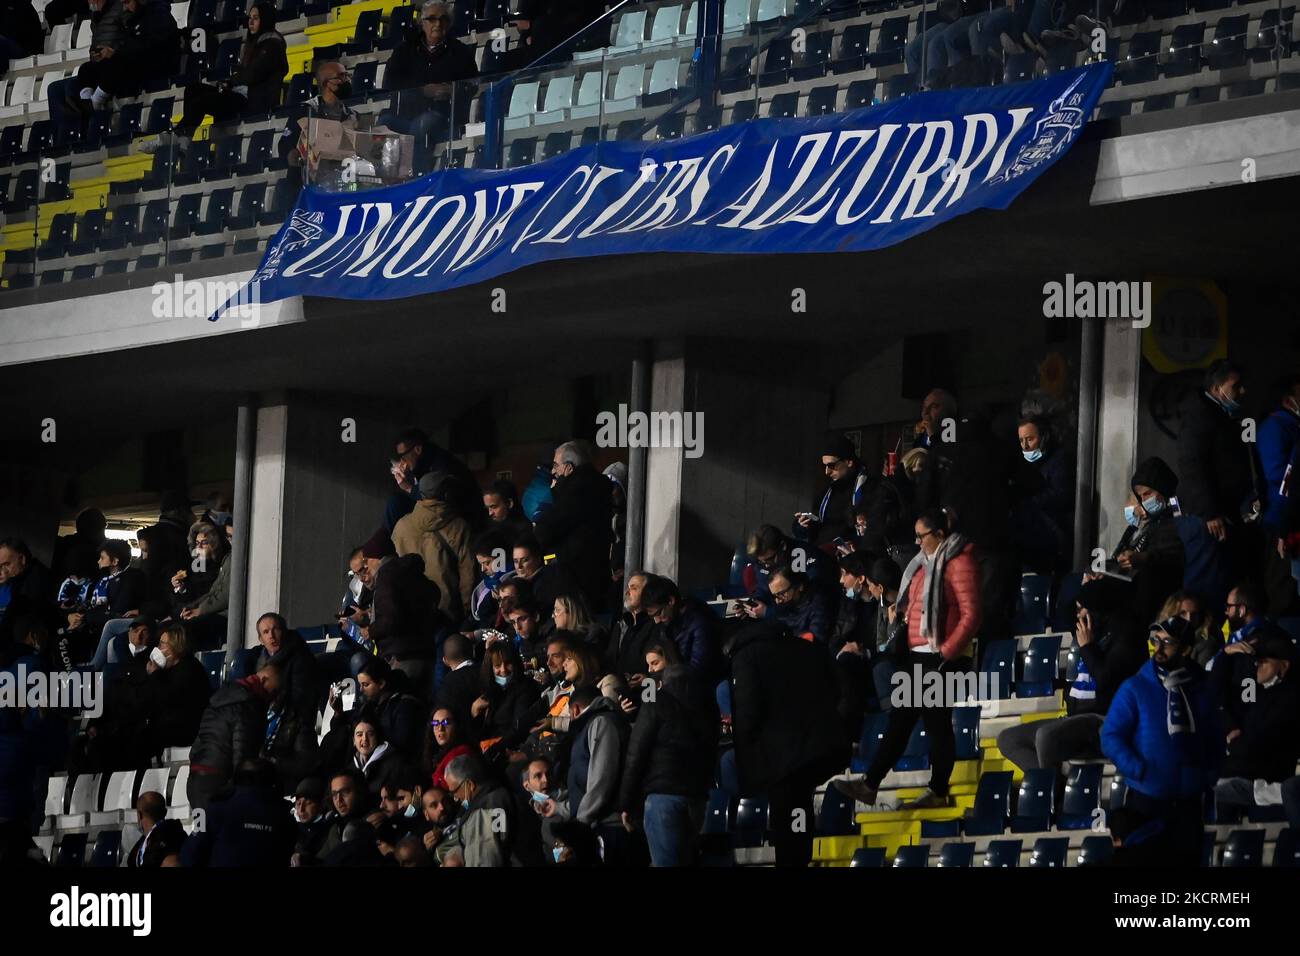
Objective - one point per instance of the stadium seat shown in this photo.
(811, 62)
(160, 116)
(736, 15)
(226, 58)
(282, 198)
(917, 754)
(898, 86)
(1200, 95)
(300, 90)
(913, 857)
(1003, 853)
(261, 153)
(891, 40)
(366, 35)
(870, 856)
(836, 815)
(666, 24)
(1031, 610)
(194, 162)
(1244, 848)
(1114, 109)
(860, 95)
(1160, 101)
(783, 106)
(251, 201)
(1035, 802)
(1274, 32)
(854, 49)
(1095, 850)
(966, 732)
(1139, 63)
(1060, 58)
(671, 126)
(743, 111)
(1082, 797)
(555, 144)
(126, 124)
(220, 203)
(749, 827)
(119, 797)
(718, 812)
(523, 149)
(992, 804)
(777, 61)
(11, 140)
(1020, 67)
(108, 848)
(1040, 667)
(736, 73)
(998, 667)
(72, 850)
(704, 120)
(1049, 852)
(957, 855)
(1227, 48)
(1185, 50)
(1287, 850)
(821, 101)
(60, 235)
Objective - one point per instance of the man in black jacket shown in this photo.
(159, 838)
(249, 828)
(460, 685)
(1217, 467)
(231, 732)
(415, 454)
(300, 679)
(147, 52)
(1112, 646)
(577, 526)
(1264, 747)
(401, 716)
(404, 616)
(669, 765)
(832, 514)
(634, 627)
(30, 589)
(787, 730)
(424, 72)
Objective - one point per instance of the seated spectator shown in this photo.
(570, 613)
(115, 737)
(203, 603)
(178, 690)
(1233, 667)
(689, 624)
(20, 32)
(253, 86)
(350, 800)
(548, 581)
(249, 828)
(524, 620)
(1150, 551)
(400, 714)
(584, 667)
(575, 845)
(1111, 649)
(117, 595)
(1043, 517)
(411, 852)
(626, 648)
(1191, 608)
(147, 52)
(424, 73)
(796, 604)
(159, 837)
(442, 745)
(491, 551)
(1264, 746)
(231, 732)
(310, 816)
(501, 501)
(506, 701)
(442, 823)
(372, 757)
(486, 833)
(769, 549)
(333, 86)
(1162, 733)
(75, 591)
(670, 764)
(939, 606)
(577, 527)
(441, 537)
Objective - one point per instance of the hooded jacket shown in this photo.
(442, 540)
(1269, 743)
(598, 739)
(232, 728)
(106, 25)
(404, 616)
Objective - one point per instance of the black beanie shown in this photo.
(837, 446)
(1154, 473)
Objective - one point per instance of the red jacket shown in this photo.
(961, 605)
(439, 780)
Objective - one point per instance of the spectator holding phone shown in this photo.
(832, 515)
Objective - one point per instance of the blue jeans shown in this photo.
(428, 129)
(987, 29)
(882, 673)
(912, 53)
(672, 826)
(110, 650)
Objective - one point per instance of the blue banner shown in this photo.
(837, 183)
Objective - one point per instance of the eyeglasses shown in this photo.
(923, 535)
(1164, 641)
(443, 19)
(338, 793)
(833, 465)
(440, 723)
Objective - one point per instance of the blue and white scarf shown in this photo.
(1178, 713)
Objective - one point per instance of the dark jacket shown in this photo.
(672, 749)
(593, 755)
(457, 692)
(291, 745)
(106, 26)
(1269, 743)
(404, 616)
(834, 509)
(402, 718)
(577, 528)
(974, 477)
(1162, 575)
(150, 41)
(811, 614)
(1111, 658)
(1277, 440)
(177, 698)
(20, 23)
(696, 632)
(413, 64)
(510, 707)
(378, 768)
(783, 708)
(166, 837)
(126, 592)
(250, 828)
(1044, 514)
(627, 641)
(262, 69)
(301, 682)
(1216, 469)
(232, 729)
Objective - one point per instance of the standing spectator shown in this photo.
(832, 516)
(435, 532)
(593, 755)
(576, 527)
(309, 815)
(424, 73)
(1163, 735)
(148, 51)
(1264, 746)
(939, 604)
(669, 768)
(414, 456)
(20, 32)
(882, 584)
(404, 618)
(231, 732)
(1043, 518)
(487, 829)
(787, 730)
(1279, 436)
(253, 86)
(626, 649)
(250, 828)
(159, 837)
(853, 639)
(1111, 649)
(689, 624)
(459, 687)
(86, 540)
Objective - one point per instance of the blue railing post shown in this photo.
(708, 50)
(494, 120)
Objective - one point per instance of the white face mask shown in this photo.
(355, 586)
(158, 657)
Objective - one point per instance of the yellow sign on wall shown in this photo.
(1189, 325)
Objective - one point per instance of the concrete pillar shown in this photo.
(664, 466)
(266, 540)
(1117, 427)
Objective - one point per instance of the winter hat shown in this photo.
(617, 473)
(1154, 473)
(1276, 647)
(431, 484)
(380, 545)
(310, 787)
(1177, 628)
(837, 446)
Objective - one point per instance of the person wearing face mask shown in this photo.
(400, 810)
(309, 814)
(487, 830)
(1264, 743)
(1191, 608)
(333, 86)
(506, 700)
(852, 639)
(1043, 515)
(1219, 469)
(1163, 734)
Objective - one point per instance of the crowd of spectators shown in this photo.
(502, 693)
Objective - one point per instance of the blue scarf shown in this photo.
(1085, 685)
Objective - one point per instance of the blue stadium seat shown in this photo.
(898, 86)
(836, 816)
(854, 49)
(212, 662)
(860, 95)
(917, 754)
(98, 130)
(260, 155)
(992, 804)
(1049, 852)
(1003, 853)
(728, 775)
(215, 220)
(718, 812)
(1244, 848)
(999, 666)
(72, 850)
(1035, 802)
(185, 217)
(1185, 50)
(40, 139)
(671, 126)
(891, 40)
(957, 855)
(555, 144)
(1020, 68)
(749, 826)
(1139, 63)
(873, 731)
(60, 235)
(11, 141)
(160, 115)
(913, 857)
(966, 732)
(226, 157)
(108, 848)
(1060, 58)
(736, 73)
(1040, 667)
(1031, 611)
(940, 829)
(872, 856)
(821, 101)
(1287, 850)
(300, 90)
(1082, 797)
(783, 106)
(1274, 29)
(1227, 48)
(1095, 850)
